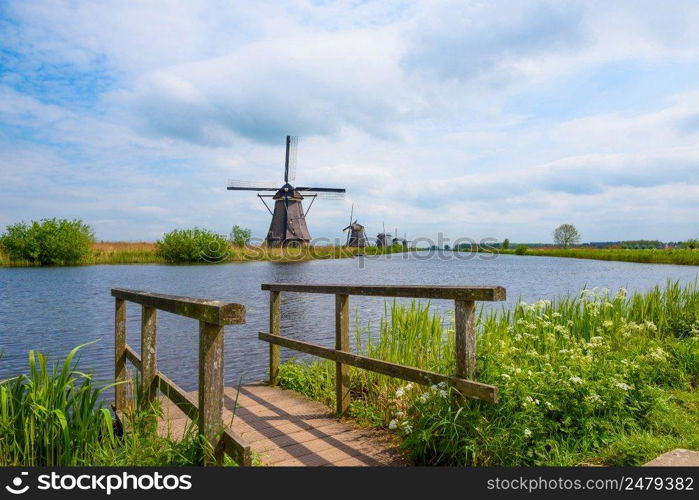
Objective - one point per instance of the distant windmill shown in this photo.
(288, 224)
(383, 239)
(356, 237)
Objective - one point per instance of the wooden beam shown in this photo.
(486, 293)
(342, 382)
(211, 311)
(466, 387)
(465, 331)
(134, 358)
(149, 353)
(236, 447)
(211, 383)
(119, 354)
(275, 329)
(177, 395)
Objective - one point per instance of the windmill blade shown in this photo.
(321, 190)
(292, 143)
(238, 185)
(329, 196)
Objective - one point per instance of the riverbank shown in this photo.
(650, 256)
(120, 252)
(592, 379)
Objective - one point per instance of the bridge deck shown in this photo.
(285, 428)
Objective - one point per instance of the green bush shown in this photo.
(49, 241)
(521, 250)
(240, 236)
(193, 245)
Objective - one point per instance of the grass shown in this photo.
(677, 256)
(146, 253)
(595, 378)
(55, 416)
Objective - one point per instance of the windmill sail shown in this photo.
(288, 224)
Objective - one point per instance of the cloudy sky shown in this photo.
(473, 118)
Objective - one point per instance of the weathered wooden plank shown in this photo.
(465, 330)
(120, 354)
(211, 382)
(134, 358)
(211, 311)
(274, 328)
(237, 447)
(177, 395)
(469, 388)
(342, 383)
(486, 293)
(149, 356)
(234, 445)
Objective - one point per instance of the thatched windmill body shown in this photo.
(288, 226)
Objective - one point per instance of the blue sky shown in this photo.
(472, 118)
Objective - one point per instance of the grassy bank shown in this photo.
(650, 256)
(591, 379)
(55, 416)
(147, 253)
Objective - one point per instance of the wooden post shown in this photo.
(274, 329)
(342, 383)
(149, 356)
(120, 354)
(465, 326)
(211, 384)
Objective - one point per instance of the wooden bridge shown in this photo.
(262, 422)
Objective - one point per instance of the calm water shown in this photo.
(54, 309)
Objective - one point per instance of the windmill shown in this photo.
(288, 226)
(356, 237)
(383, 239)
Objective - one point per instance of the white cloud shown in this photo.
(136, 114)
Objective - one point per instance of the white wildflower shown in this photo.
(400, 392)
(527, 433)
(393, 425)
(576, 380)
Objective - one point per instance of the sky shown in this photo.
(476, 119)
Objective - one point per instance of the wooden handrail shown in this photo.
(464, 298)
(208, 410)
(215, 312)
(481, 293)
(469, 388)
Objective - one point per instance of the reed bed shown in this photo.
(56, 416)
(595, 378)
(685, 257)
(104, 253)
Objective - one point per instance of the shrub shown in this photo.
(49, 241)
(193, 245)
(521, 250)
(239, 236)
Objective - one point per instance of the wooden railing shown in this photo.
(208, 410)
(465, 364)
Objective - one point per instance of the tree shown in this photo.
(505, 244)
(240, 236)
(566, 235)
(692, 244)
